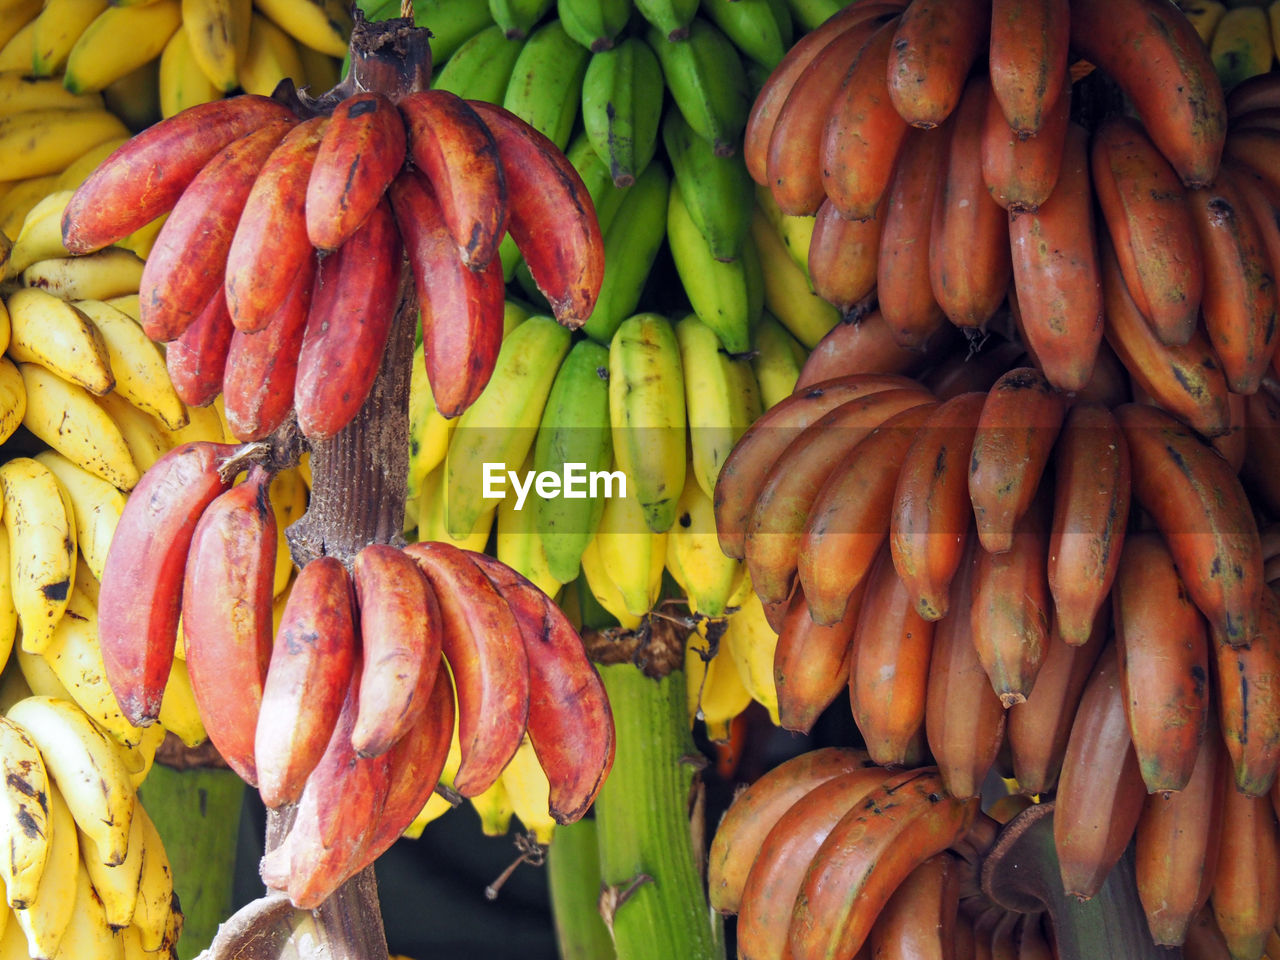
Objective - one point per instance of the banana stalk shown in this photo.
(197, 813)
(653, 898)
(573, 877)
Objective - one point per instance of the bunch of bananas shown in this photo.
(1242, 38)
(86, 875)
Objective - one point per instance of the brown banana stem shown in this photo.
(1021, 873)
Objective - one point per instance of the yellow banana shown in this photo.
(433, 514)
(715, 690)
(494, 809)
(137, 364)
(271, 56)
(429, 432)
(139, 758)
(787, 294)
(79, 169)
(182, 81)
(24, 814)
(95, 504)
(323, 25)
(57, 29)
(795, 232)
(777, 361)
(631, 554)
(43, 142)
(607, 593)
(519, 541)
(45, 918)
(288, 494)
(41, 235)
(1241, 45)
(218, 32)
(119, 41)
(59, 337)
(13, 398)
(151, 913)
(87, 933)
(42, 547)
(528, 792)
(751, 642)
(707, 576)
(1204, 16)
(116, 884)
(96, 276)
(143, 434)
(178, 712)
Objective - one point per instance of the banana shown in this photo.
(429, 431)
(716, 189)
(922, 914)
(58, 336)
(528, 792)
(155, 913)
(434, 514)
(776, 358)
(87, 769)
(136, 362)
(42, 142)
(24, 804)
(481, 67)
(964, 719)
(348, 323)
(707, 577)
(452, 23)
(143, 434)
(289, 500)
(604, 590)
(98, 276)
(550, 218)
(17, 199)
(671, 18)
(218, 32)
(119, 41)
(628, 552)
(787, 293)
(20, 92)
(56, 30)
(773, 882)
(755, 810)
(889, 668)
(622, 106)
(46, 917)
(1028, 59)
(182, 81)
(272, 55)
(13, 398)
(714, 689)
(1241, 45)
(751, 642)
(810, 660)
(323, 25)
(518, 17)
(491, 674)
(18, 24)
(42, 538)
(1246, 896)
(501, 425)
(1100, 791)
(306, 681)
(706, 79)
(865, 857)
(594, 24)
(1020, 174)
(761, 29)
(1203, 513)
(574, 429)
(76, 659)
(116, 884)
(933, 47)
(1176, 846)
(795, 232)
(41, 235)
(1204, 16)
(88, 934)
(1248, 715)
(144, 179)
(570, 724)
(546, 84)
(400, 630)
(179, 714)
(493, 806)
(647, 414)
(1155, 55)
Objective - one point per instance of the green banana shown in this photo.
(622, 94)
(776, 361)
(707, 81)
(575, 429)
(795, 232)
(753, 26)
(594, 171)
(481, 67)
(518, 540)
(631, 244)
(596, 24)
(672, 17)
(451, 22)
(647, 414)
(500, 427)
(717, 189)
(545, 89)
(725, 296)
(517, 17)
(721, 399)
(811, 14)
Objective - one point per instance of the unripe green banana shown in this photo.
(707, 81)
(753, 26)
(622, 95)
(717, 190)
(596, 24)
(631, 244)
(575, 429)
(722, 399)
(811, 14)
(502, 424)
(723, 295)
(672, 17)
(481, 67)
(776, 361)
(451, 22)
(517, 17)
(545, 89)
(647, 414)
(595, 175)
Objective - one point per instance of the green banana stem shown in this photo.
(197, 813)
(573, 876)
(654, 898)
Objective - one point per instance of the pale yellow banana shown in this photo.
(155, 887)
(59, 337)
(218, 31)
(24, 814)
(178, 712)
(45, 918)
(117, 884)
(95, 503)
(96, 276)
(144, 435)
(271, 56)
(137, 364)
(707, 576)
(40, 143)
(42, 547)
(529, 791)
(751, 642)
(13, 398)
(41, 235)
(183, 83)
(323, 25)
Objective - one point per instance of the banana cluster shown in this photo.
(1241, 38)
(87, 875)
